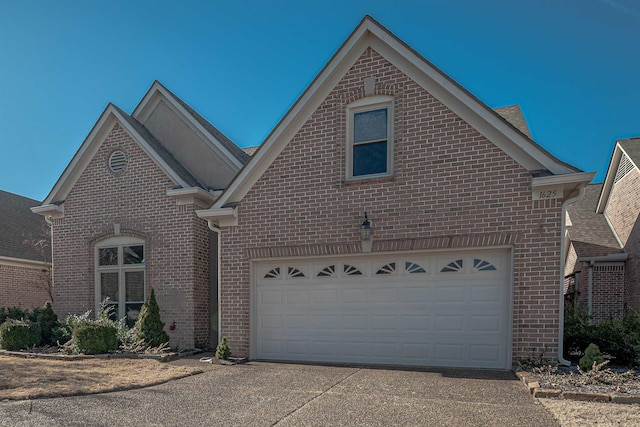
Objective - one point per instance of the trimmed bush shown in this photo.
(19, 334)
(149, 327)
(591, 356)
(95, 338)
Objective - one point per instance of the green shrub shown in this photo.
(64, 331)
(223, 351)
(591, 358)
(149, 327)
(48, 321)
(15, 313)
(577, 330)
(95, 338)
(620, 339)
(19, 334)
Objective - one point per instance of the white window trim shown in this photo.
(120, 242)
(369, 103)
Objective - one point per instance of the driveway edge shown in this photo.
(538, 392)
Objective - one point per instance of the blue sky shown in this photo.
(572, 65)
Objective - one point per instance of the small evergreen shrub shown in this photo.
(48, 321)
(223, 351)
(95, 338)
(149, 327)
(592, 357)
(19, 334)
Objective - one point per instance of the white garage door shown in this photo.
(448, 309)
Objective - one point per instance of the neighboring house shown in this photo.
(25, 254)
(603, 232)
(458, 260)
(124, 221)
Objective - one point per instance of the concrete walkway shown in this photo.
(271, 394)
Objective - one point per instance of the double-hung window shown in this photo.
(120, 276)
(370, 138)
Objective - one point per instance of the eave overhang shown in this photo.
(220, 217)
(50, 211)
(192, 196)
(560, 186)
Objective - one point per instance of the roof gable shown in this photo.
(628, 151)
(109, 117)
(589, 231)
(370, 34)
(194, 141)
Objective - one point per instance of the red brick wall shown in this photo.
(24, 287)
(607, 290)
(622, 211)
(176, 241)
(448, 180)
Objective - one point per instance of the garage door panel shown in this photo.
(486, 323)
(346, 312)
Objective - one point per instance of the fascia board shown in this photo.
(467, 107)
(158, 93)
(616, 257)
(25, 263)
(295, 118)
(572, 178)
(609, 178)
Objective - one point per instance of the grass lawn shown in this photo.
(35, 378)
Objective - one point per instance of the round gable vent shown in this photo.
(117, 161)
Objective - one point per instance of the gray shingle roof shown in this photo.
(18, 224)
(513, 114)
(236, 151)
(164, 154)
(632, 147)
(590, 233)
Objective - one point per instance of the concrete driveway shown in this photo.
(271, 394)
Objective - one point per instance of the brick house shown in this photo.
(123, 216)
(458, 260)
(603, 236)
(25, 254)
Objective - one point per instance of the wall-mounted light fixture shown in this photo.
(365, 229)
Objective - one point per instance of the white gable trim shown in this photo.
(371, 34)
(90, 147)
(618, 151)
(158, 93)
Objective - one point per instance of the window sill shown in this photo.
(368, 180)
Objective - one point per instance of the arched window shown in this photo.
(120, 276)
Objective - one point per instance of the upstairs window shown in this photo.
(370, 141)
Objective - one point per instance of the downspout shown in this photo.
(563, 261)
(590, 289)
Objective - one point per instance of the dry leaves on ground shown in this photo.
(32, 378)
(571, 413)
